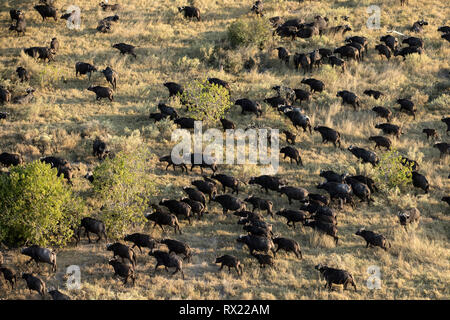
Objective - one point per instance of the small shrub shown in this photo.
(244, 32)
(392, 172)
(122, 185)
(206, 102)
(37, 206)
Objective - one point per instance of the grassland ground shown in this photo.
(66, 119)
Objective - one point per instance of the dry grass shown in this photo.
(171, 49)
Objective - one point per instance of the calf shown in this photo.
(373, 239)
(122, 251)
(34, 283)
(292, 216)
(125, 49)
(102, 92)
(178, 247)
(335, 276)
(39, 254)
(168, 261)
(228, 202)
(329, 135)
(141, 240)
(261, 204)
(230, 262)
(288, 245)
(123, 270)
(94, 226)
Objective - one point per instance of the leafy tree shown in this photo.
(392, 171)
(123, 186)
(37, 206)
(245, 31)
(205, 101)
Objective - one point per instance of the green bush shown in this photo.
(245, 31)
(205, 101)
(37, 206)
(392, 171)
(123, 186)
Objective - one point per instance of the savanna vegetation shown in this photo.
(230, 43)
